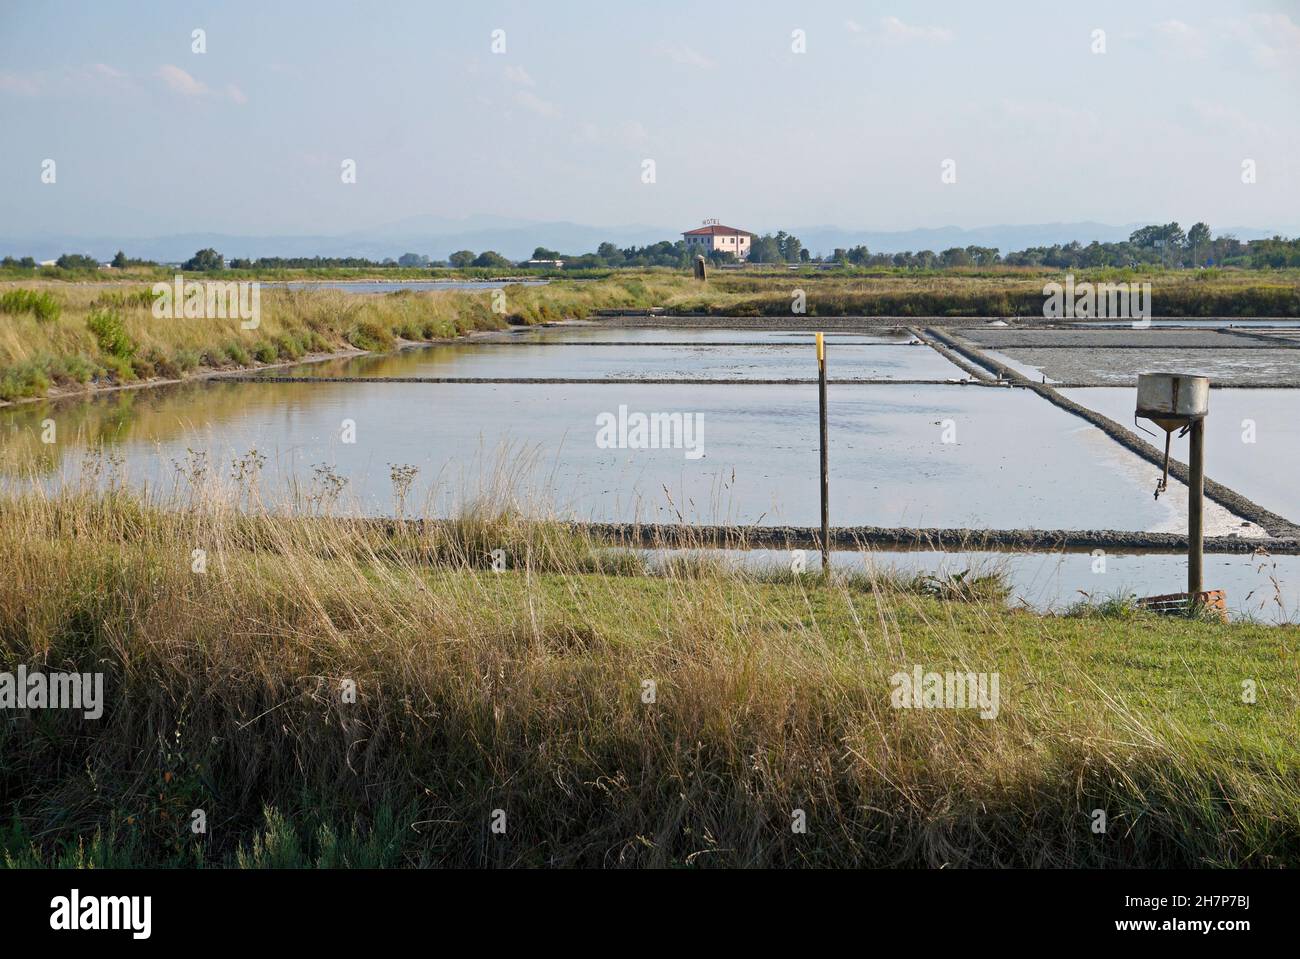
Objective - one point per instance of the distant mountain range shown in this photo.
(438, 237)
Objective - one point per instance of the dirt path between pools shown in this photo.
(688, 536)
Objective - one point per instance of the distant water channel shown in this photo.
(349, 286)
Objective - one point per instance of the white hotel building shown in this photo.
(714, 236)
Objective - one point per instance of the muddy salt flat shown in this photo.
(923, 447)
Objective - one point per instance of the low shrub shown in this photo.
(287, 346)
(70, 370)
(143, 368)
(23, 381)
(110, 334)
(370, 336)
(117, 369)
(43, 306)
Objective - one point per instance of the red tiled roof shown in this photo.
(716, 230)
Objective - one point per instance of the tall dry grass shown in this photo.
(523, 690)
(96, 334)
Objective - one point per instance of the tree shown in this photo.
(491, 258)
(1146, 237)
(76, 261)
(542, 253)
(205, 261)
(461, 259)
(1161, 239)
(788, 247)
(1198, 238)
(983, 255)
(120, 260)
(767, 248)
(412, 259)
(1094, 254)
(1172, 238)
(614, 256)
(1225, 247)
(858, 255)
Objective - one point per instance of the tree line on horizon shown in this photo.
(1164, 245)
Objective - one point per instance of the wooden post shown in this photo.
(1196, 510)
(821, 404)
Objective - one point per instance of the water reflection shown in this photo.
(588, 360)
(944, 456)
(1266, 588)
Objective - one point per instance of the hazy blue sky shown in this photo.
(150, 137)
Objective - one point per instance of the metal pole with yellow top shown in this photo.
(821, 402)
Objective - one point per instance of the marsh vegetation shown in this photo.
(518, 684)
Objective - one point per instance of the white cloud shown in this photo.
(182, 83)
(524, 95)
(178, 81)
(26, 86)
(893, 32)
(687, 56)
(1221, 120)
(633, 131)
(88, 80)
(629, 133)
(896, 31)
(1274, 39)
(532, 102)
(1182, 38)
(518, 75)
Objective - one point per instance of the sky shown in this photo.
(761, 114)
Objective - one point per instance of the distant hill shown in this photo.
(437, 237)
